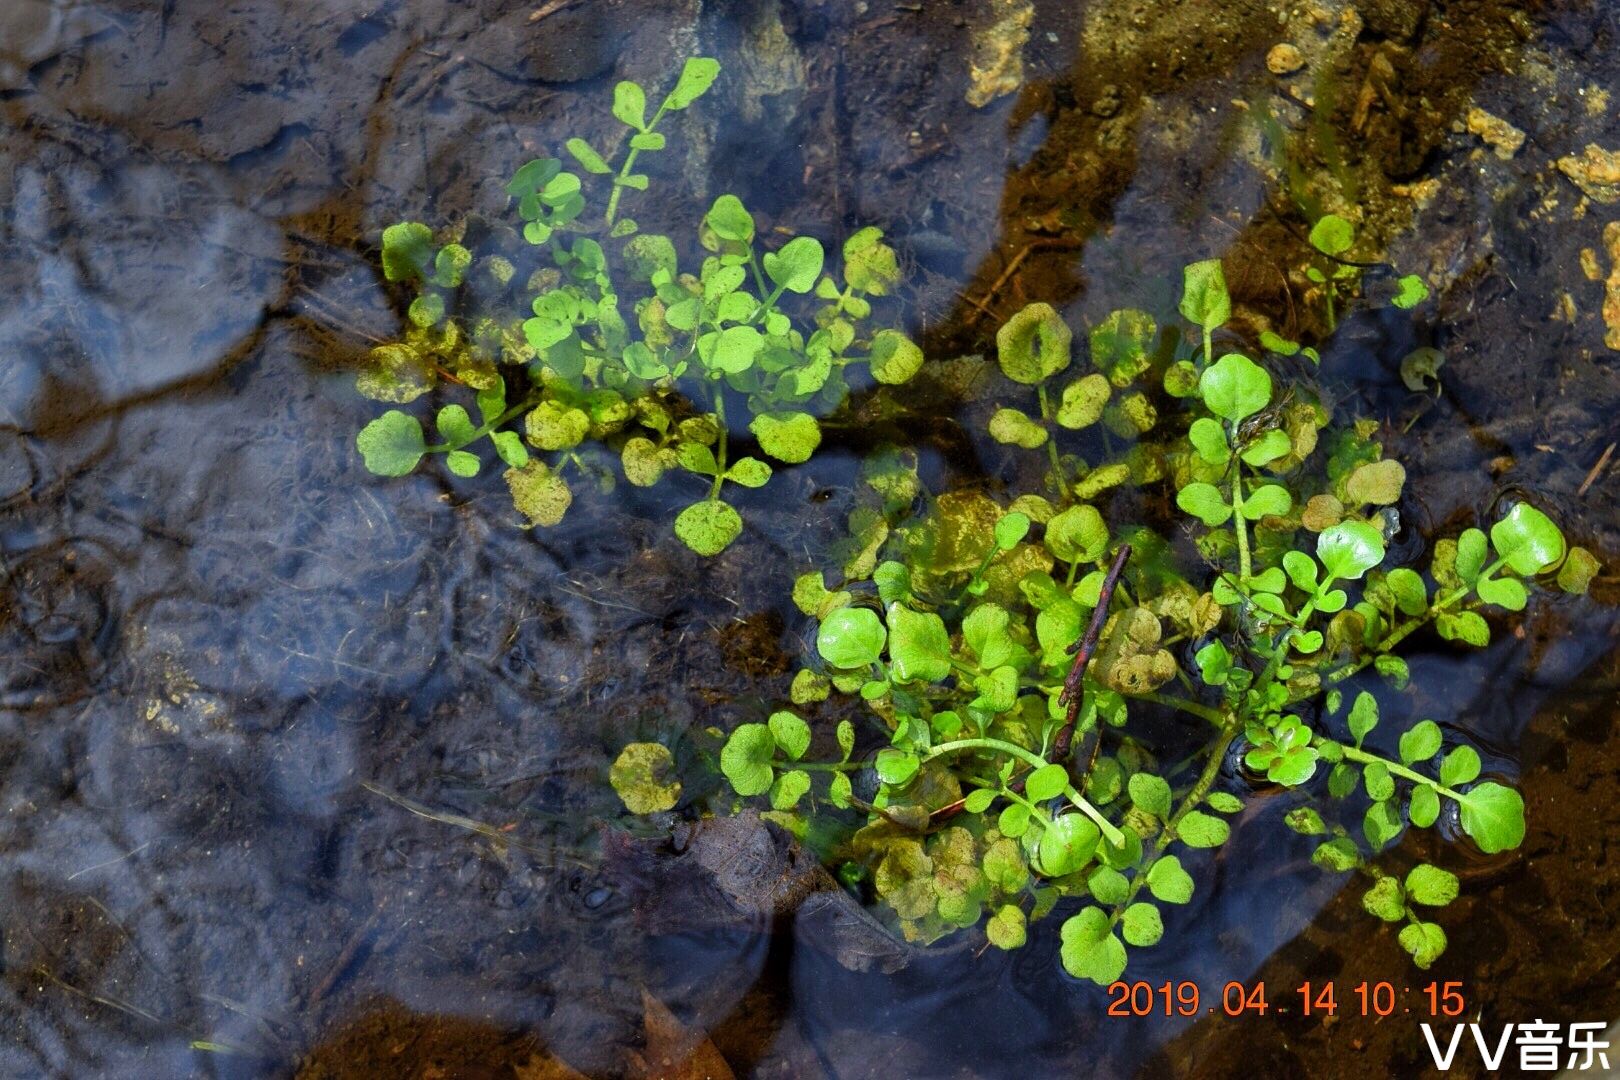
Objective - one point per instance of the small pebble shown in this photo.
(1284, 59)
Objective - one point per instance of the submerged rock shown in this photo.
(997, 66)
(1595, 171)
(745, 872)
(1502, 137)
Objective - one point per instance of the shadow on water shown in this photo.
(304, 771)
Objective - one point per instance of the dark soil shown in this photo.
(215, 626)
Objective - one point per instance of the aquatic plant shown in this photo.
(983, 639)
(621, 352)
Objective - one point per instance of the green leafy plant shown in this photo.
(596, 345)
(983, 639)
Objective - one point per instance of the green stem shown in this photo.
(1240, 524)
(1040, 815)
(720, 458)
(1357, 754)
(1034, 761)
(1055, 478)
(842, 766)
(1204, 712)
(624, 170)
(1190, 801)
(484, 429)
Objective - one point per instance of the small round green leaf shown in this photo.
(1142, 925)
(746, 759)
(1431, 885)
(787, 436)
(1168, 882)
(392, 444)
(641, 774)
(708, 527)
(1528, 540)
(1033, 344)
(851, 638)
(1235, 387)
(1349, 549)
(1494, 816)
(895, 358)
(791, 733)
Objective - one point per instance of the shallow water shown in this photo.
(235, 669)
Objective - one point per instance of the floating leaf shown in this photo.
(789, 788)
(1385, 900)
(1204, 299)
(1067, 844)
(1431, 885)
(1349, 549)
(797, 265)
(1090, 950)
(1421, 367)
(708, 527)
(730, 220)
(1033, 344)
(1006, 928)
(1421, 742)
(1363, 716)
(1142, 925)
(1121, 345)
(1332, 235)
(407, 251)
(1494, 816)
(1083, 401)
(1528, 540)
(1378, 482)
(1013, 428)
(851, 638)
(1424, 941)
(1424, 806)
(1235, 387)
(1079, 534)
(919, 646)
(1168, 882)
(1199, 830)
(641, 774)
(1151, 793)
(1204, 502)
(630, 105)
(792, 734)
(1046, 782)
(746, 759)
(539, 494)
(392, 444)
(895, 358)
(1576, 575)
(787, 436)
(1410, 292)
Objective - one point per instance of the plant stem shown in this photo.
(1055, 478)
(720, 458)
(1203, 712)
(1356, 754)
(624, 170)
(1040, 815)
(1240, 524)
(842, 766)
(1034, 761)
(484, 429)
(1200, 788)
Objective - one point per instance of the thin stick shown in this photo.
(1072, 686)
(1597, 469)
(1012, 268)
(1071, 695)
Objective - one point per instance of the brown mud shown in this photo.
(215, 626)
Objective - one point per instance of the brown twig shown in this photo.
(1071, 695)
(1597, 470)
(1012, 267)
(1082, 649)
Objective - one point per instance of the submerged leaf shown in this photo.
(641, 775)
